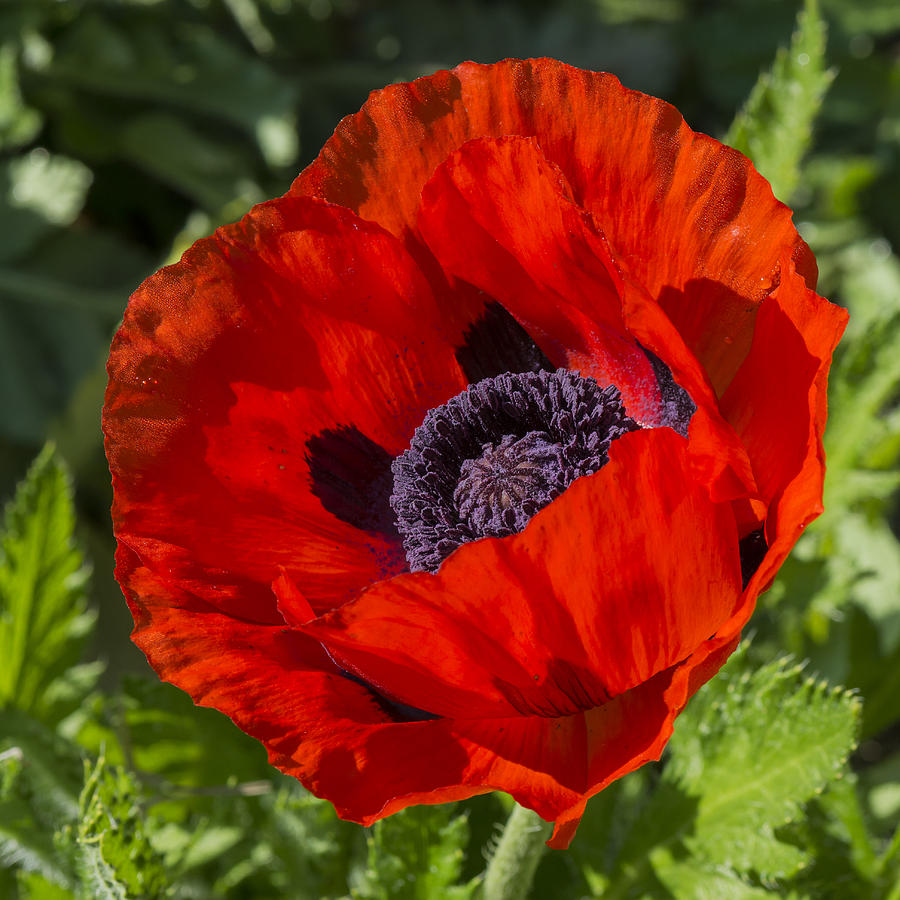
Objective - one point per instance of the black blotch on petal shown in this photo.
(752, 548)
(496, 343)
(351, 476)
(398, 712)
(678, 408)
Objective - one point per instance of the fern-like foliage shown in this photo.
(44, 615)
(774, 128)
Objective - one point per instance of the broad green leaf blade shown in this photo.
(748, 753)
(693, 880)
(767, 742)
(774, 128)
(44, 617)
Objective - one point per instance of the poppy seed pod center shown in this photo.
(508, 483)
(482, 464)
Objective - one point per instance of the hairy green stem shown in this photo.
(511, 869)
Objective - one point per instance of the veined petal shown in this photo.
(780, 391)
(259, 390)
(558, 618)
(499, 216)
(690, 218)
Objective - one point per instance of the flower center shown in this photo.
(487, 460)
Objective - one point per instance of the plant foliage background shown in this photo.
(128, 128)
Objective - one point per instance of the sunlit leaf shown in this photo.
(116, 861)
(44, 616)
(775, 126)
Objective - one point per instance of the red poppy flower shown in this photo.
(460, 467)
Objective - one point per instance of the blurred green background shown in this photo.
(129, 128)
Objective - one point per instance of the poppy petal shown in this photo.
(259, 390)
(777, 405)
(335, 736)
(522, 626)
(280, 687)
(515, 217)
(533, 248)
(527, 244)
(690, 218)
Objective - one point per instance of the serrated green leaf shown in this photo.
(694, 880)
(748, 752)
(774, 128)
(416, 854)
(768, 742)
(98, 877)
(116, 861)
(44, 617)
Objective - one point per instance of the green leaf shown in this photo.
(416, 854)
(170, 737)
(754, 749)
(694, 880)
(39, 785)
(33, 886)
(189, 67)
(331, 846)
(866, 373)
(212, 175)
(774, 128)
(116, 860)
(44, 617)
(834, 833)
(748, 752)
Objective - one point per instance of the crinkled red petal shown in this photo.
(294, 325)
(691, 219)
(560, 617)
(777, 406)
(336, 737)
(499, 216)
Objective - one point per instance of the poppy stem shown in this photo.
(511, 868)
